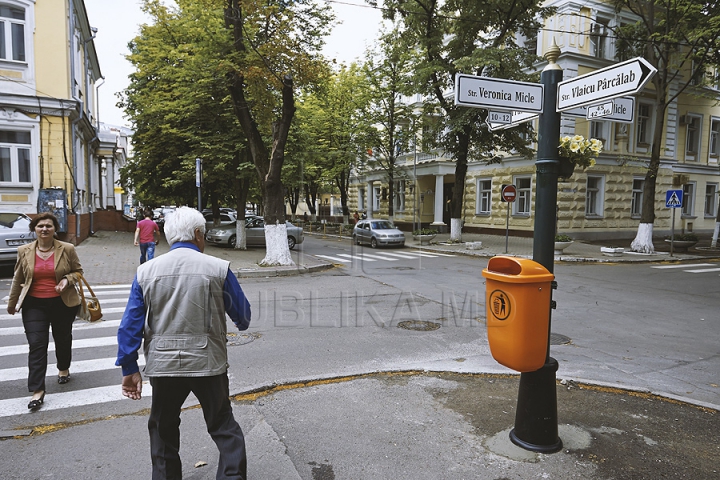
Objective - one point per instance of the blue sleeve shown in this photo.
(130, 332)
(236, 304)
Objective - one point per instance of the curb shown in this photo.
(267, 272)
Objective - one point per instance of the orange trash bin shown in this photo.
(517, 298)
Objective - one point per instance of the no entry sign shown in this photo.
(509, 193)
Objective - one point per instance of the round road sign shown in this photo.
(509, 193)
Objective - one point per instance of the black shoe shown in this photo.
(35, 405)
(63, 379)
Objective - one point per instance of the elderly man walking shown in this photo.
(177, 305)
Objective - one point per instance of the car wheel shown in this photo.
(291, 242)
(373, 243)
(232, 241)
(356, 239)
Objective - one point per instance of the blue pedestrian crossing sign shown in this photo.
(674, 198)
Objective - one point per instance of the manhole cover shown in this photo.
(557, 339)
(402, 268)
(241, 338)
(419, 325)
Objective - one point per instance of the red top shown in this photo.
(43, 283)
(147, 231)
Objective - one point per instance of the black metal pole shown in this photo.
(536, 424)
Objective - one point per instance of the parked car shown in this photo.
(226, 218)
(14, 232)
(377, 233)
(254, 231)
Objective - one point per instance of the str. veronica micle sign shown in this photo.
(498, 93)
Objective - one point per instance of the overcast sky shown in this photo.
(118, 23)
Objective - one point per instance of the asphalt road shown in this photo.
(632, 325)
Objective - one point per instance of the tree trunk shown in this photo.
(242, 185)
(456, 204)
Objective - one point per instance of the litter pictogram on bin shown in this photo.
(500, 305)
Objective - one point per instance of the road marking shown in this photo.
(401, 255)
(104, 310)
(77, 398)
(101, 287)
(429, 255)
(364, 255)
(334, 259)
(685, 265)
(352, 257)
(703, 270)
(82, 343)
(83, 366)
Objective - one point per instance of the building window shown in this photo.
(377, 195)
(692, 137)
(399, 203)
(637, 197)
(12, 33)
(688, 199)
(643, 125)
(484, 197)
(597, 130)
(594, 196)
(522, 204)
(14, 157)
(714, 147)
(598, 38)
(711, 200)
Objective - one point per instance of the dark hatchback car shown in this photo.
(14, 232)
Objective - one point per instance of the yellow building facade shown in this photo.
(50, 137)
(603, 201)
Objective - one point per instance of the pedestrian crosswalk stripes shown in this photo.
(691, 267)
(75, 398)
(94, 347)
(363, 256)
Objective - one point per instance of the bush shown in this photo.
(425, 231)
(687, 237)
(563, 238)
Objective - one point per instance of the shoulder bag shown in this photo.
(90, 310)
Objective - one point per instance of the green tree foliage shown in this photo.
(390, 122)
(681, 39)
(467, 36)
(181, 110)
(274, 49)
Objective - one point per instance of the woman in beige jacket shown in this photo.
(43, 288)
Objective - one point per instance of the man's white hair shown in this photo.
(181, 224)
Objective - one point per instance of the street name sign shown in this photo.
(623, 111)
(600, 111)
(498, 93)
(625, 78)
(673, 198)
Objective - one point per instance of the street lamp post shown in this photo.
(536, 426)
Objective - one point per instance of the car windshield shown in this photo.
(14, 220)
(382, 225)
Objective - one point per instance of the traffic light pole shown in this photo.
(536, 424)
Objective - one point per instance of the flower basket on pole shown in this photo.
(577, 151)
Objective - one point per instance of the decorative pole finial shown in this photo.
(552, 55)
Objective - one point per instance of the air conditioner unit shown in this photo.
(680, 180)
(685, 120)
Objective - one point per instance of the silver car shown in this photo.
(254, 231)
(377, 233)
(14, 231)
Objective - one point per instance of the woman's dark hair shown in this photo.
(44, 216)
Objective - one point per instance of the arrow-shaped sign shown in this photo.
(498, 93)
(605, 84)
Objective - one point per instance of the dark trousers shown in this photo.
(168, 395)
(38, 315)
(147, 249)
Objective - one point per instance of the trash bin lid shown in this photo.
(516, 270)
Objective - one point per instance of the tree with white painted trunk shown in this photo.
(272, 44)
(681, 39)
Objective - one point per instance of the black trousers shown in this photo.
(38, 315)
(168, 395)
